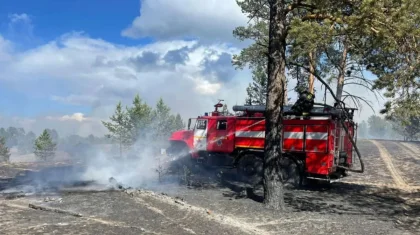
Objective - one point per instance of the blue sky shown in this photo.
(100, 19)
(65, 64)
(50, 19)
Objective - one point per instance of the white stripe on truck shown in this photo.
(286, 135)
(250, 134)
(316, 135)
(293, 135)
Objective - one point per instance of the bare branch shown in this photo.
(359, 98)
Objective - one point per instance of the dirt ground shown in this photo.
(383, 200)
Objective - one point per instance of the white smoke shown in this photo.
(137, 171)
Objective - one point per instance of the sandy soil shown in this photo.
(383, 200)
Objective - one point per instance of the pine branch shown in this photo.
(299, 4)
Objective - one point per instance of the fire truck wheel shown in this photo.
(250, 169)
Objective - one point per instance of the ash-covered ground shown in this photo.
(59, 198)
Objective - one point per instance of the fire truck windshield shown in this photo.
(193, 121)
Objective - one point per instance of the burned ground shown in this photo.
(383, 200)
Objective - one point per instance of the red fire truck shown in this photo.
(318, 145)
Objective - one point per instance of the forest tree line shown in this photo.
(140, 125)
(44, 145)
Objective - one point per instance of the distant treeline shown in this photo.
(377, 127)
(24, 142)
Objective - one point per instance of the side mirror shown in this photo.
(189, 123)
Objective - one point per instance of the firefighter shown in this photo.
(306, 99)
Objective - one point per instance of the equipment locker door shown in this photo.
(221, 137)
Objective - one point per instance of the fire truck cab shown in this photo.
(316, 145)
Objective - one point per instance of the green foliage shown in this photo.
(377, 126)
(143, 126)
(120, 128)
(162, 120)
(382, 128)
(140, 116)
(345, 39)
(392, 46)
(256, 30)
(12, 135)
(44, 146)
(405, 116)
(4, 150)
(257, 90)
(81, 147)
(3, 132)
(178, 123)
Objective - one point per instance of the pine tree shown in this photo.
(287, 33)
(3, 132)
(44, 146)
(120, 128)
(178, 123)
(405, 117)
(4, 150)
(12, 136)
(257, 90)
(162, 125)
(162, 119)
(140, 118)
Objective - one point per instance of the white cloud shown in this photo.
(74, 117)
(16, 18)
(20, 27)
(189, 76)
(209, 20)
(5, 49)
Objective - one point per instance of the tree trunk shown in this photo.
(312, 71)
(272, 180)
(342, 73)
(285, 93)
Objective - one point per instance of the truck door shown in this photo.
(221, 138)
(200, 135)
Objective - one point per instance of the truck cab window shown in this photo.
(221, 125)
(201, 124)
